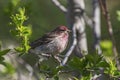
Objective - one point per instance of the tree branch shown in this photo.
(96, 26)
(59, 5)
(88, 20)
(110, 30)
(19, 63)
(69, 52)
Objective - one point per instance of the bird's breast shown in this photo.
(62, 43)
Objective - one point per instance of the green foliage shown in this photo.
(106, 47)
(92, 63)
(21, 32)
(107, 51)
(112, 69)
(2, 54)
(11, 6)
(8, 67)
(87, 66)
(118, 13)
(50, 72)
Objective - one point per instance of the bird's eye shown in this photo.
(62, 30)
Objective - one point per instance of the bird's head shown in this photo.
(62, 29)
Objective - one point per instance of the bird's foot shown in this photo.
(56, 57)
(46, 55)
(60, 56)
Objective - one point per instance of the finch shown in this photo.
(53, 42)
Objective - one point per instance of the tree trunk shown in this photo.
(75, 19)
(96, 26)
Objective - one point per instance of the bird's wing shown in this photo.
(43, 40)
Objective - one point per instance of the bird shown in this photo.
(51, 43)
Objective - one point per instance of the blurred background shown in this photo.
(44, 16)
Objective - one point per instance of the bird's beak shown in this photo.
(68, 30)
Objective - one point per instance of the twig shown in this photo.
(88, 20)
(69, 52)
(96, 77)
(59, 5)
(109, 25)
(46, 78)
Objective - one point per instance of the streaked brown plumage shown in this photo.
(53, 42)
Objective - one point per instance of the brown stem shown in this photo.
(110, 30)
(59, 5)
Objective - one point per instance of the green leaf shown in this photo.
(9, 68)
(21, 31)
(56, 78)
(19, 49)
(78, 63)
(93, 58)
(15, 2)
(1, 60)
(44, 67)
(106, 44)
(103, 64)
(106, 47)
(4, 52)
(50, 71)
(118, 13)
(27, 30)
(14, 32)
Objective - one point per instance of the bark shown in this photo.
(75, 19)
(97, 33)
(96, 26)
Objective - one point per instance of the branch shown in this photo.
(59, 5)
(110, 30)
(88, 20)
(96, 26)
(19, 63)
(69, 52)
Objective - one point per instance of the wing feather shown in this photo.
(47, 38)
